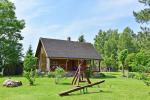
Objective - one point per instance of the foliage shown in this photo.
(110, 44)
(10, 28)
(139, 76)
(143, 15)
(126, 40)
(100, 40)
(30, 66)
(129, 62)
(59, 73)
(81, 39)
(142, 61)
(106, 44)
(51, 74)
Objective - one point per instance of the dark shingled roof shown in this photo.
(67, 49)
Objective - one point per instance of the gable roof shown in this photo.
(67, 49)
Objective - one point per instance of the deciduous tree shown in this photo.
(10, 28)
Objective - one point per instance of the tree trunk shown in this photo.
(128, 72)
(123, 74)
(2, 72)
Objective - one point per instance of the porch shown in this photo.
(69, 65)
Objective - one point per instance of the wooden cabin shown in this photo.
(64, 53)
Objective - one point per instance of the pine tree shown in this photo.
(81, 39)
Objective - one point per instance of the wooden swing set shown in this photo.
(80, 74)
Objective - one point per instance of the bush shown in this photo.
(51, 74)
(139, 76)
(30, 66)
(59, 73)
(98, 75)
(40, 74)
(88, 72)
(30, 76)
(131, 75)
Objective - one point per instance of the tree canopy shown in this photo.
(10, 29)
(81, 39)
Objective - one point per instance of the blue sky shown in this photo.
(62, 18)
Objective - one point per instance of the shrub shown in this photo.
(59, 73)
(51, 74)
(30, 66)
(131, 75)
(139, 76)
(88, 72)
(98, 75)
(30, 76)
(40, 74)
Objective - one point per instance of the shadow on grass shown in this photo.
(101, 91)
(65, 84)
(107, 76)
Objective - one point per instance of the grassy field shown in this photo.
(114, 88)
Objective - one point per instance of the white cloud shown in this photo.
(103, 14)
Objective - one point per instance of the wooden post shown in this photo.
(92, 64)
(78, 62)
(40, 63)
(66, 64)
(47, 64)
(99, 65)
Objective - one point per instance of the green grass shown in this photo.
(114, 88)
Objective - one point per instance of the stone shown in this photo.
(12, 83)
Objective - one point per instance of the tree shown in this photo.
(10, 28)
(30, 66)
(29, 51)
(99, 41)
(122, 58)
(142, 62)
(106, 43)
(81, 39)
(143, 16)
(126, 40)
(111, 48)
(130, 60)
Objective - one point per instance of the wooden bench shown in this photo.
(64, 93)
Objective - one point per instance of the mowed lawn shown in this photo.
(114, 88)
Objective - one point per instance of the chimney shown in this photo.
(69, 38)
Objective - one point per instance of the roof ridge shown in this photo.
(66, 40)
